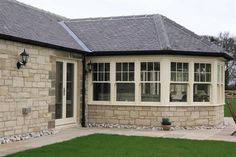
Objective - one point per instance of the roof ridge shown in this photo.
(38, 9)
(161, 32)
(190, 33)
(74, 36)
(111, 18)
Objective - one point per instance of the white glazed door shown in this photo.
(65, 92)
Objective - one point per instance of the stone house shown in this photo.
(131, 70)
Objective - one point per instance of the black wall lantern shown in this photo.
(89, 66)
(23, 59)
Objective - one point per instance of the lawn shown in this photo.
(227, 114)
(100, 145)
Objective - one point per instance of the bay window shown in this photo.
(202, 82)
(101, 81)
(125, 85)
(179, 82)
(150, 81)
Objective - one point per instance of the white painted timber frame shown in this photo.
(165, 73)
(72, 120)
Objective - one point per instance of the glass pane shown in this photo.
(131, 76)
(125, 66)
(100, 76)
(201, 93)
(218, 74)
(143, 66)
(185, 76)
(202, 68)
(208, 68)
(118, 66)
(150, 66)
(101, 67)
(101, 91)
(150, 92)
(107, 67)
(222, 74)
(125, 92)
(59, 89)
(202, 77)
(178, 92)
(179, 67)
(70, 90)
(157, 76)
(131, 66)
(196, 77)
(157, 66)
(118, 76)
(185, 67)
(208, 77)
(196, 67)
(95, 68)
(125, 76)
(179, 76)
(107, 76)
(150, 76)
(142, 76)
(173, 66)
(173, 76)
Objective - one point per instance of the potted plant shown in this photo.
(166, 124)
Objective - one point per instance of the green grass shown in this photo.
(99, 145)
(227, 114)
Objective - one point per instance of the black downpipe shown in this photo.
(83, 119)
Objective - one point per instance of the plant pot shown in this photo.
(166, 127)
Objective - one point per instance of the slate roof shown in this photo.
(23, 21)
(144, 34)
(138, 33)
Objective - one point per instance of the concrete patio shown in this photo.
(69, 133)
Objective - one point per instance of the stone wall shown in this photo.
(152, 115)
(32, 86)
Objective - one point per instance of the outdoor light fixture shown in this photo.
(89, 66)
(23, 59)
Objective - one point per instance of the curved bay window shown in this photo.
(202, 82)
(150, 81)
(179, 82)
(101, 81)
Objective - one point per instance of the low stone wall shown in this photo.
(187, 116)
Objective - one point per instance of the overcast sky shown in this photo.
(204, 17)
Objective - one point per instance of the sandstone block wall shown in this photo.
(187, 116)
(32, 86)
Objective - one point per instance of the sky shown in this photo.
(204, 17)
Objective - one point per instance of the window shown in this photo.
(125, 85)
(150, 81)
(202, 72)
(220, 83)
(179, 82)
(101, 81)
(202, 80)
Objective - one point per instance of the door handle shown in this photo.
(64, 91)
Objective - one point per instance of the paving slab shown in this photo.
(73, 132)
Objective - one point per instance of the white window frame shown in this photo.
(220, 83)
(165, 63)
(180, 82)
(158, 81)
(203, 82)
(98, 81)
(128, 82)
